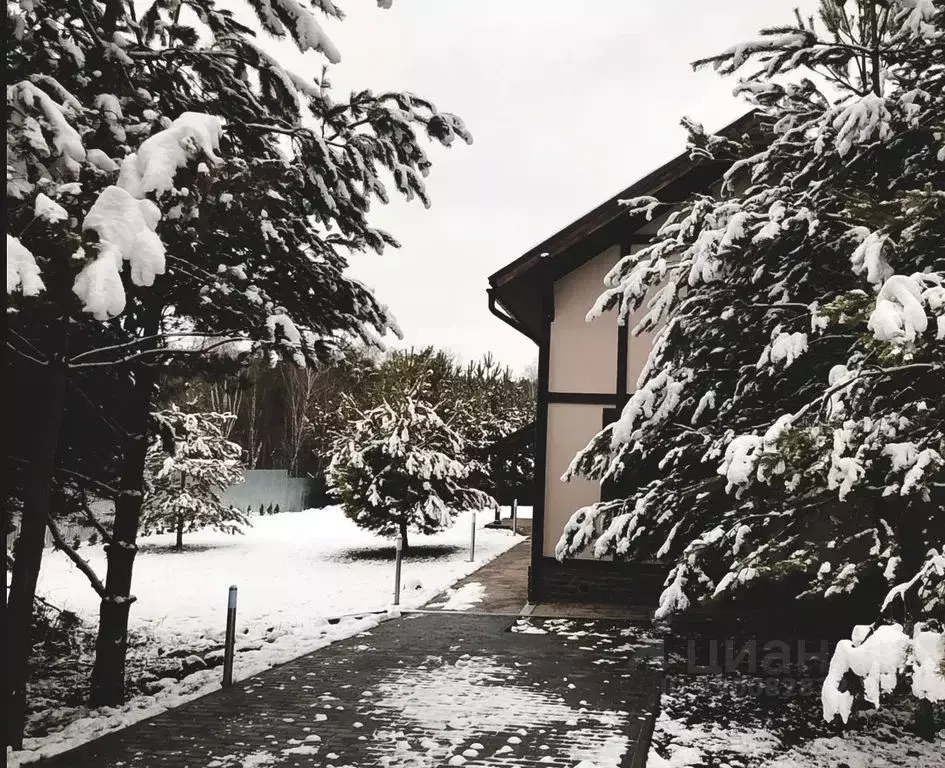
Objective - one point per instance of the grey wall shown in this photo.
(262, 486)
(269, 486)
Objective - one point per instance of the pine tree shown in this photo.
(399, 468)
(487, 403)
(481, 400)
(174, 183)
(788, 427)
(185, 484)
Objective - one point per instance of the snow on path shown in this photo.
(462, 598)
(453, 705)
(294, 572)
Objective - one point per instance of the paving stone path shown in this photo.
(423, 690)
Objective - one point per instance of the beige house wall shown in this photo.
(570, 427)
(583, 359)
(582, 354)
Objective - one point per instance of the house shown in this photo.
(586, 371)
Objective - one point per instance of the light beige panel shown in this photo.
(583, 354)
(570, 428)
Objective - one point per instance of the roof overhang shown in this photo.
(517, 287)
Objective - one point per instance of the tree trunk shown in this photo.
(108, 673)
(29, 549)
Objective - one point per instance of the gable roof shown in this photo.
(516, 288)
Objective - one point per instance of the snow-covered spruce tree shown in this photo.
(399, 467)
(185, 484)
(788, 426)
(482, 400)
(234, 233)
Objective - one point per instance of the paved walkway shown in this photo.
(424, 690)
(484, 687)
(499, 587)
(503, 586)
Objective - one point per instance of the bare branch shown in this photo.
(93, 520)
(162, 351)
(143, 340)
(23, 354)
(74, 556)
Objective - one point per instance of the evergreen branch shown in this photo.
(89, 26)
(74, 556)
(825, 396)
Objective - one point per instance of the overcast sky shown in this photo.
(566, 109)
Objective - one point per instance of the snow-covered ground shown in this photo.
(294, 572)
(715, 721)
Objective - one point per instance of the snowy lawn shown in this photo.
(295, 571)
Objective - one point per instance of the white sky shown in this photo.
(566, 109)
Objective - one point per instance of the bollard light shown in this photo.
(230, 639)
(472, 538)
(399, 546)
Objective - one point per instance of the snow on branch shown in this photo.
(126, 222)
(861, 121)
(899, 315)
(280, 17)
(879, 658)
(22, 271)
(153, 167)
(125, 228)
(66, 139)
(915, 17)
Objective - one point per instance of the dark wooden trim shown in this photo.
(583, 398)
(607, 489)
(541, 435)
(623, 343)
(609, 224)
(609, 416)
(498, 310)
(623, 354)
(511, 442)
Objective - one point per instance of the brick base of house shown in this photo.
(595, 581)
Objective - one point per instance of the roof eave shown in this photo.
(651, 184)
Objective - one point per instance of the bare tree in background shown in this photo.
(225, 397)
(299, 385)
